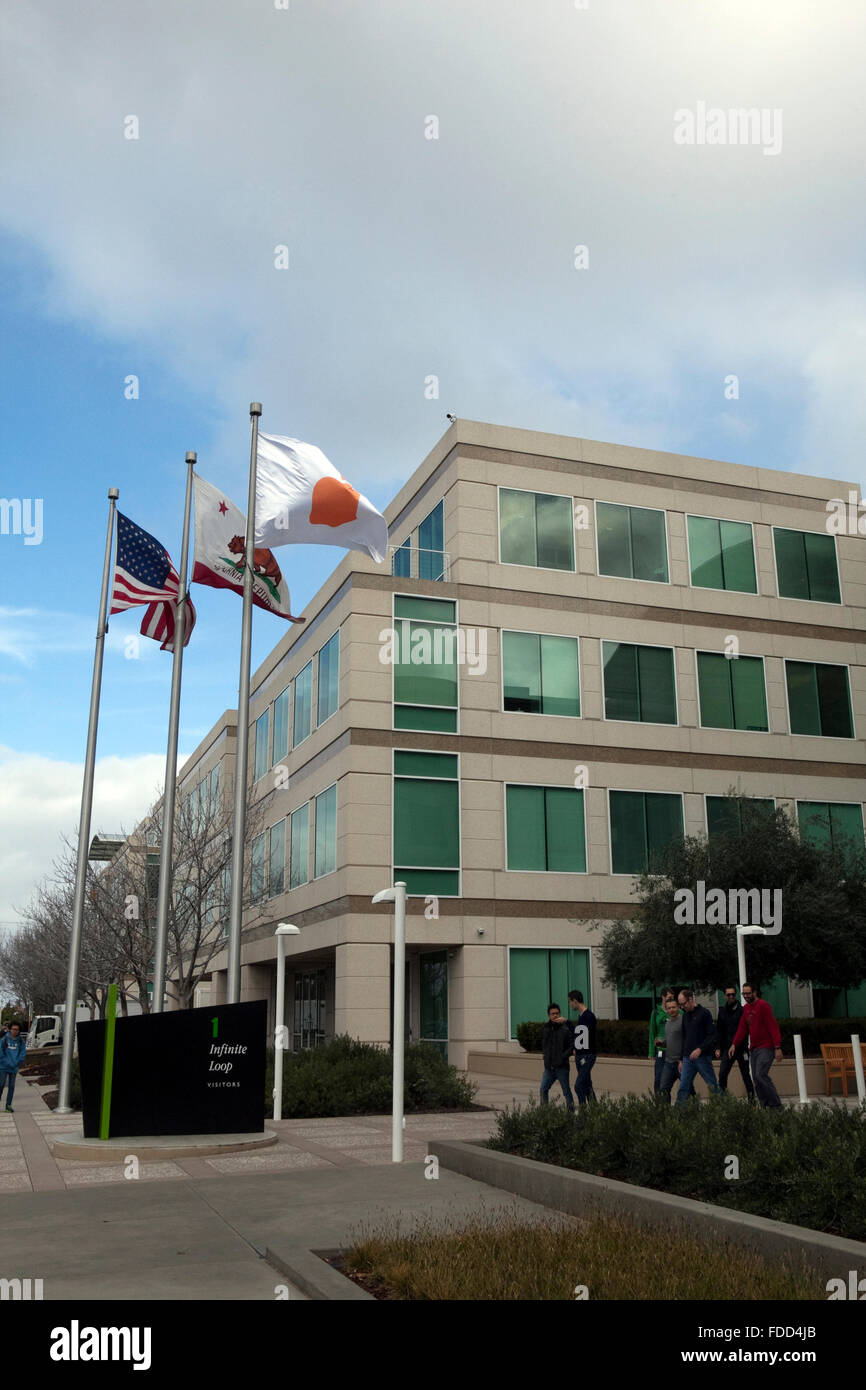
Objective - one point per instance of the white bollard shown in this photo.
(858, 1067)
(801, 1069)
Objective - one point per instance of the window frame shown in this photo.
(421, 868)
(810, 801)
(265, 714)
(708, 588)
(742, 797)
(404, 704)
(336, 710)
(785, 598)
(289, 693)
(527, 632)
(715, 728)
(632, 579)
(842, 665)
(293, 888)
(543, 786)
(310, 664)
(641, 723)
(642, 791)
(533, 492)
(315, 828)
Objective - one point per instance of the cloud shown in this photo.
(40, 802)
(453, 257)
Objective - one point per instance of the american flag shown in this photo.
(144, 574)
(158, 623)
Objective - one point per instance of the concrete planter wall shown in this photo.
(623, 1076)
(584, 1194)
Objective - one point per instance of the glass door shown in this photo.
(433, 967)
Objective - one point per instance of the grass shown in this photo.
(504, 1259)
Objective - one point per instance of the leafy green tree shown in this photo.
(823, 909)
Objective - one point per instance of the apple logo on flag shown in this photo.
(334, 502)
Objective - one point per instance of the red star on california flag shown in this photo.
(223, 508)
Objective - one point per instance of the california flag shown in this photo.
(220, 531)
(301, 499)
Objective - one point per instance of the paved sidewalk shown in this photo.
(206, 1239)
(27, 1164)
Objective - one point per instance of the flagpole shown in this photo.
(233, 990)
(68, 1023)
(169, 795)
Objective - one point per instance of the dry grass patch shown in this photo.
(500, 1257)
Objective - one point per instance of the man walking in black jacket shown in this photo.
(557, 1044)
(699, 1040)
(727, 1024)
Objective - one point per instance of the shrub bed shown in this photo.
(621, 1037)
(345, 1077)
(807, 1167)
(505, 1258)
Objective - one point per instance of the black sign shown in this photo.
(195, 1071)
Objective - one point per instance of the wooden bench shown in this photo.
(838, 1061)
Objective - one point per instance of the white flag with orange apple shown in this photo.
(301, 499)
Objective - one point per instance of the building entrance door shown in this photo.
(308, 1028)
(433, 966)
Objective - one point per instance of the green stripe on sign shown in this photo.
(108, 1063)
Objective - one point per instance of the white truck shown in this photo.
(46, 1030)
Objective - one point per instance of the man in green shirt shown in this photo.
(657, 1035)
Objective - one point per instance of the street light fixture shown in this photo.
(397, 896)
(280, 1032)
(741, 950)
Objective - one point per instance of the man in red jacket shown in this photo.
(765, 1044)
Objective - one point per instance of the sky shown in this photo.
(430, 168)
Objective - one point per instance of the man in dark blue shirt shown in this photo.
(699, 1041)
(584, 1046)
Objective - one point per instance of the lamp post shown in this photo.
(280, 1033)
(397, 896)
(741, 950)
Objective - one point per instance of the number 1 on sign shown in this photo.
(216, 1024)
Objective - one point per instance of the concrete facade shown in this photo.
(498, 909)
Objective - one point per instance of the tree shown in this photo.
(823, 908)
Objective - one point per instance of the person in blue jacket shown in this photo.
(699, 1041)
(13, 1050)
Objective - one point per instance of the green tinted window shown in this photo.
(281, 726)
(437, 721)
(722, 554)
(303, 713)
(806, 566)
(437, 610)
(819, 699)
(299, 866)
(257, 869)
(536, 528)
(731, 692)
(410, 764)
(631, 542)
(431, 559)
(642, 825)
(639, 683)
(277, 860)
(329, 677)
(426, 816)
(540, 673)
(261, 759)
(537, 975)
(731, 815)
(325, 853)
(425, 671)
(545, 829)
(832, 823)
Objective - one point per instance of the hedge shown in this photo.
(804, 1166)
(345, 1077)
